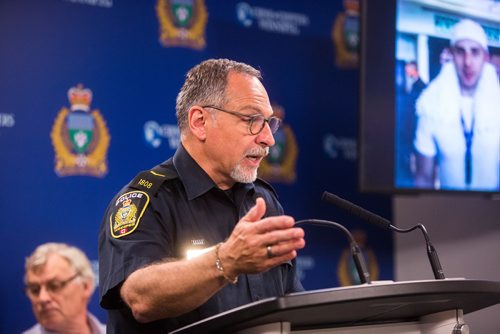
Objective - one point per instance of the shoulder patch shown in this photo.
(127, 212)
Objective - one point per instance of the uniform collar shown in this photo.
(195, 180)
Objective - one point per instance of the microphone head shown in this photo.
(356, 210)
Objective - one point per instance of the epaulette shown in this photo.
(150, 180)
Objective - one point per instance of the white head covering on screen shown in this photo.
(468, 29)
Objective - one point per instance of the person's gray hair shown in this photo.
(205, 84)
(75, 257)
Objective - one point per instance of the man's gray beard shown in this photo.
(247, 175)
(239, 174)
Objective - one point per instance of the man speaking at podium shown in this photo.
(200, 233)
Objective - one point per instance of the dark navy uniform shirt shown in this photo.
(177, 209)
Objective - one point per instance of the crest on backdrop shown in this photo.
(345, 35)
(80, 137)
(182, 23)
(280, 164)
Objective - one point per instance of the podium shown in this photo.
(427, 307)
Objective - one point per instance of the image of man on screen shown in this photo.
(457, 138)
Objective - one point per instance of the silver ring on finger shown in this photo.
(269, 251)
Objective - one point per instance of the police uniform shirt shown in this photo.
(184, 211)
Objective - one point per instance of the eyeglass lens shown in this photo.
(258, 123)
(53, 286)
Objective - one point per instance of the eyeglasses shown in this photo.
(256, 123)
(52, 287)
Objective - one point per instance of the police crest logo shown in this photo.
(279, 164)
(345, 35)
(80, 137)
(182, 23)
(127, 212)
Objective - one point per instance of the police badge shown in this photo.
(80, 137)
(127, 213)
(182, 23)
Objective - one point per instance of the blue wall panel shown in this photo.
(113, 48)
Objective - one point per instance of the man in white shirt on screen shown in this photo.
(458, 119)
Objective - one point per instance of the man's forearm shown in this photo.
(171, 288)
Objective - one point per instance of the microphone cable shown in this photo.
(357, 255)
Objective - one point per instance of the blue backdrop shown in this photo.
(132, 56)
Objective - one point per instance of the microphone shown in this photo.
(386, 224)
(357, 256)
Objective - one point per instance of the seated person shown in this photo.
(59, 283)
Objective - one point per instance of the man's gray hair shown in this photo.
(75, 257)
(206, 85)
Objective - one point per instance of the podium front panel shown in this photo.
(368, 304)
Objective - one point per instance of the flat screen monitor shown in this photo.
(430, 96)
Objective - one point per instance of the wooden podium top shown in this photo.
(356, 305)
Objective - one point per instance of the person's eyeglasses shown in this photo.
(256, 123)
(52, 287)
